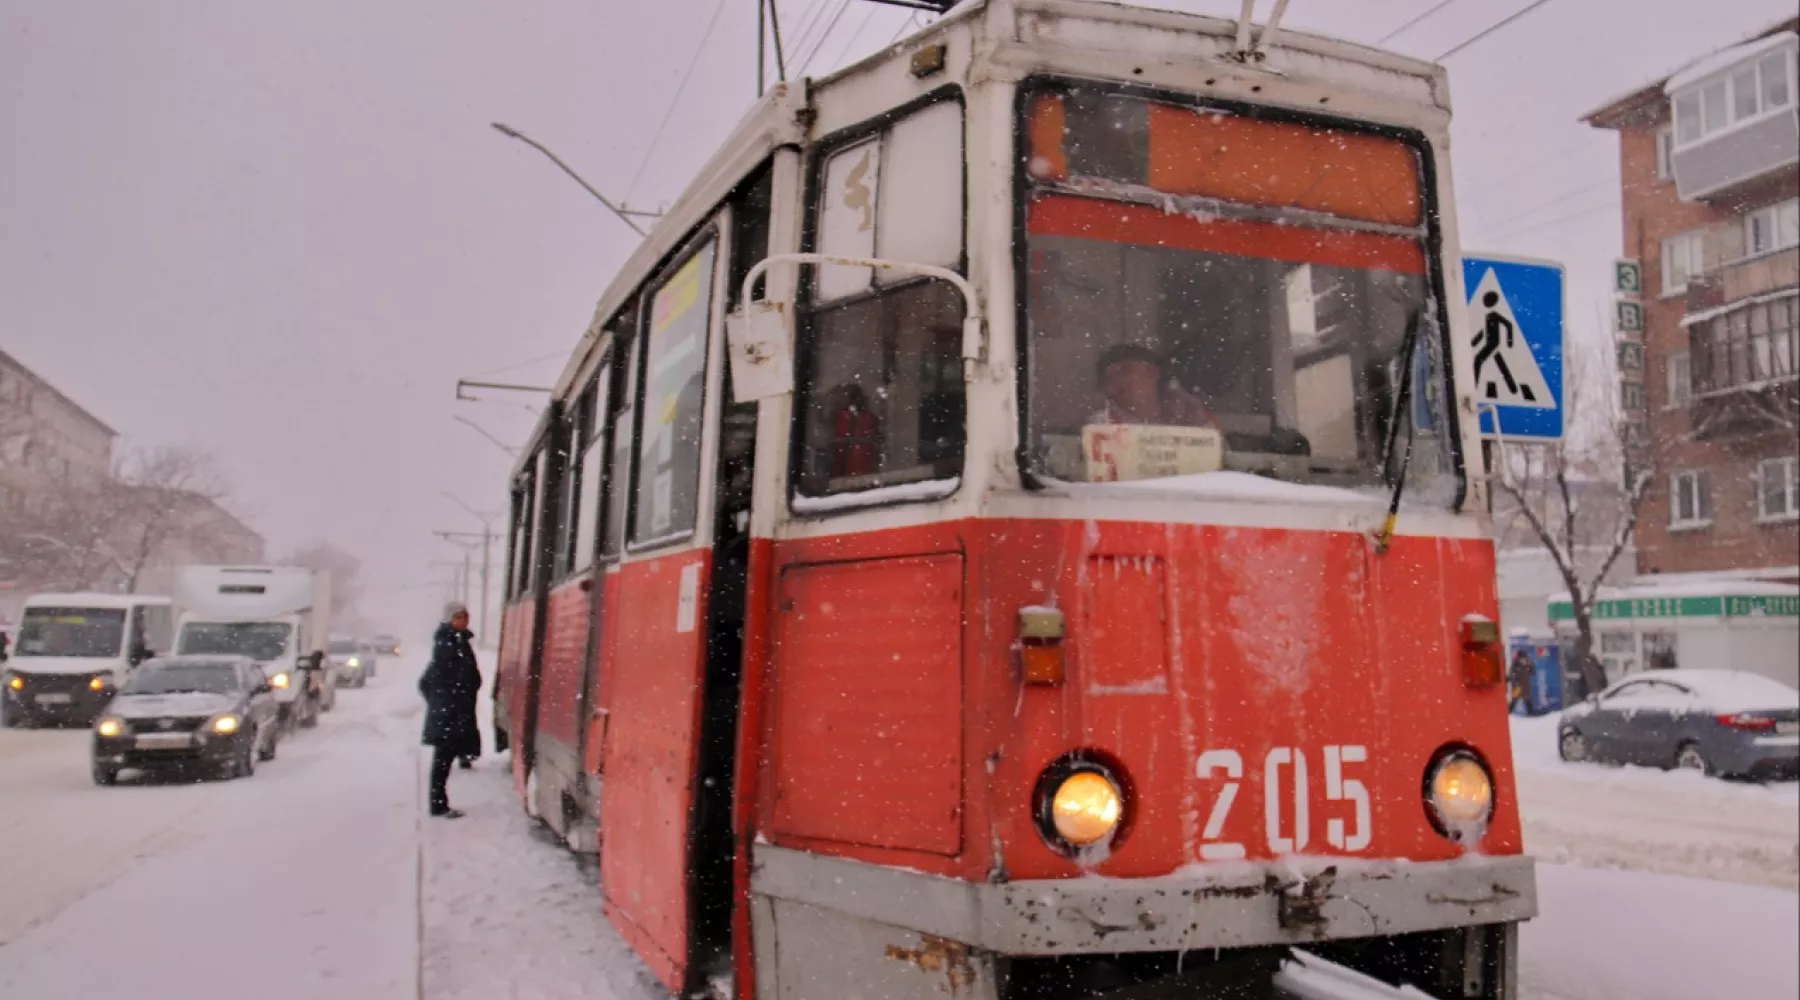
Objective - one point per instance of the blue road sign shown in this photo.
(1516, 331)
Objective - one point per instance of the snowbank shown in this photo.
(1674, 822)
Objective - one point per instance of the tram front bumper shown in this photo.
(1237, 905)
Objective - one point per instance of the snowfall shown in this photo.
(322, 877)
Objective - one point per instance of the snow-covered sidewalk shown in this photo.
(1644, 819)
(507, 910)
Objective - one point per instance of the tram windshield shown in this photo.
(1209, 291)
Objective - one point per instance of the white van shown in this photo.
(72, 651)
(279, 616)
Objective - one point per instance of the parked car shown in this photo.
(354, 659)
(1722, 722)
(188, 712)
(386, 645)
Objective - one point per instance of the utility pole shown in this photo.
(626, 215)
(464, 540)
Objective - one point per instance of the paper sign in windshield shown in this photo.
(1125, 452)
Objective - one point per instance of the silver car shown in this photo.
(1722, 722)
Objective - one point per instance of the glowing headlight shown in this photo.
(16, 682)
(1461, 796)
(96, 684)
(353, 662)
(110, 727)
(1086, 808)
(225, 724)
(279, 681)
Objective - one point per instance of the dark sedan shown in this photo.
(1722, 722)
(188, 712)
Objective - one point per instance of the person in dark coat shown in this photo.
(1519, 679)
(450, 685)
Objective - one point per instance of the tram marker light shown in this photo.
(1481, 660)
(929, 61)
(1040, 645)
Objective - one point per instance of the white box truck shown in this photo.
(279, 616)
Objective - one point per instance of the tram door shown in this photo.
(674, 635)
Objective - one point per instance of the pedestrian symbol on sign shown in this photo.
(1505, 371)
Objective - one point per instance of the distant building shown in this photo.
(45, 438)
(44, 435)
(1710, 166)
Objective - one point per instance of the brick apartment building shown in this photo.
(1710, 166)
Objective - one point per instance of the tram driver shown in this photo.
(1139, 390)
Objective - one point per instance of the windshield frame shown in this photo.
(1431, 244)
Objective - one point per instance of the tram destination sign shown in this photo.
(1516, 328)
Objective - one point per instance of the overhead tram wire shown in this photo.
(1478, 36)
(850, 43)
(843, 6)
(1512, 234)
(1390, 36)
(806, 34)
(1516, 215)
(675, 101)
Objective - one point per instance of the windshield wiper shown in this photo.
(1402, 414)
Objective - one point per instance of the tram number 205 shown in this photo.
(1284, 778)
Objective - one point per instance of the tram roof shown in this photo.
(778, 119)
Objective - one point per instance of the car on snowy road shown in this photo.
(386, 645)
(354, 659)
(192, 713)
(1722, 722)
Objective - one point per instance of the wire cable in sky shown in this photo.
(802, 35)
(830, 26)
(1511, 216)
(1505, 233)
(655, 138)
(516, 365)
(1480, 35)
(1403, 28)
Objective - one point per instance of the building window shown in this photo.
(1680, 379)
(1748, 347)
(1683, 259)
(1772, 227)
(1749, 93)
(1665, 148)
(1778, 490)
(1690, 499)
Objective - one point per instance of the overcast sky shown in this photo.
(281, 231)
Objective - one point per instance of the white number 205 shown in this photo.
(1286, 818)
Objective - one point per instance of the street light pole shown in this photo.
(622, 212)
(487, 547)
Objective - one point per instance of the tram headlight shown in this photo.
(1459, 793)
(1086, 808)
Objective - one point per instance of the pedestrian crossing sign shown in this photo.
(1516, 340)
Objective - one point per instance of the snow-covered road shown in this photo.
(320, 878)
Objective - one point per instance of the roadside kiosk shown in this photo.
(1724, 625)
(1548, 692)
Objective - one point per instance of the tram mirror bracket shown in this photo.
(973, 343)
(762, 355)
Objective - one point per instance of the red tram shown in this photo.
(1016, 528)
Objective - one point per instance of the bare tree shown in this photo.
(159, 495)
(1580, 497)
(58, 536)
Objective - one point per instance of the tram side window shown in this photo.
(881, 393)
(619, 500)
(524, 514)
(562, 502)
(674, 400)
(591, 469)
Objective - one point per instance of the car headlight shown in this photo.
(226, 724)
(1459, 794)
(97, 684)
(16, 682)
(110, 727)
(353, 662)
(279, 681)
